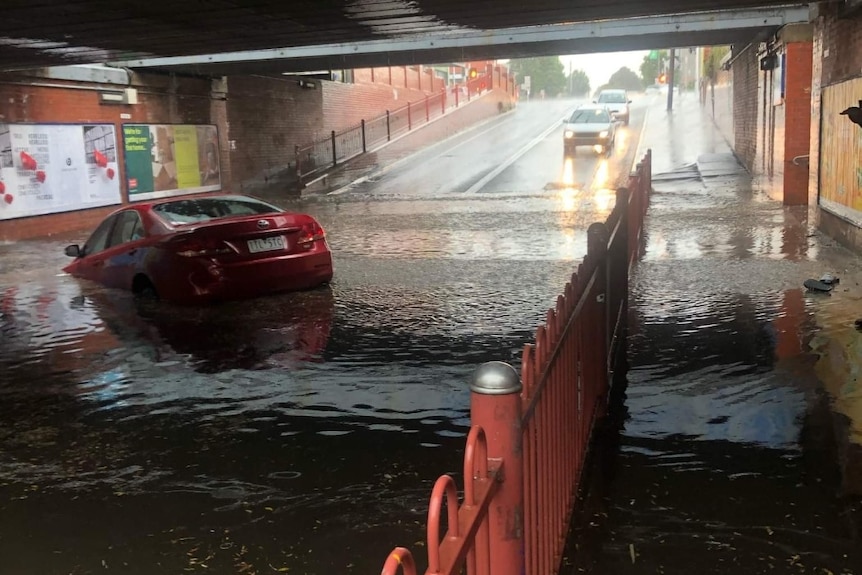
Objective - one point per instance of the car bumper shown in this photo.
(211, 281)
(586, 141)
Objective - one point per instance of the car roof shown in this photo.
(611, 90)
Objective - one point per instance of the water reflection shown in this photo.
(281, 331)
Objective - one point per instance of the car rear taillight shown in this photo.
(310, 232)
(200, 247)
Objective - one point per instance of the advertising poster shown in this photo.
(165, 160)
(52, 168)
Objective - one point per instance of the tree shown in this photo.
(712, 57)
(625, 79)
(651, 68)
(579, 83)
(546, 73)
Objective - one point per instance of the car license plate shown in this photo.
(269, 244)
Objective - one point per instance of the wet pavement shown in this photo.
(298, 433)
(735, 443)
(302, 433)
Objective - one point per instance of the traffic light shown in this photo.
(662, 79)
(473, 73)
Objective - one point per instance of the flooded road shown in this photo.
(302, 433)
(298, 433)
(735, 445)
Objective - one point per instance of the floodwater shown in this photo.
(302, 433)
(732, 445)
(298, 433)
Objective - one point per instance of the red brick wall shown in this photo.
(347, 104)
(401, 77)
(162, 99)
(267, 118)
(746, 72)
(842, 45)
(797, 92)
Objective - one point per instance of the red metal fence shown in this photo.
(530, 435)
(340, 146)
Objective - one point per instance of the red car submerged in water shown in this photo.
(204, 249)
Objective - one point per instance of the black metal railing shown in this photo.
(339, 147)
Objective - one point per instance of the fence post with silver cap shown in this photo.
(495, 405)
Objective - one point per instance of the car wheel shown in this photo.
(144, 289)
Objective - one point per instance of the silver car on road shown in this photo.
(590, 125)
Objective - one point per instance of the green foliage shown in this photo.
(625, 79)
(712, 58)
(651, 69)
(579, 83)
(546, 73)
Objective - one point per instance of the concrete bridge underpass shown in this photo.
(261, 37)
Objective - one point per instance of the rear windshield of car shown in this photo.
(612, 98)
(205, 209)
(590, 117)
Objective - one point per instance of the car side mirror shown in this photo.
(630, 101)
(73, 251)
(595, 102)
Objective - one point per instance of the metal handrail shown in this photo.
(539, 425)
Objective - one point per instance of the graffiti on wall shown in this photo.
(841, 151)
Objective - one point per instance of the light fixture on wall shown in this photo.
(128, 96)
(769, 62)
(308, 85)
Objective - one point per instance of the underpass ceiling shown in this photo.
(650, 32)
(36, 33)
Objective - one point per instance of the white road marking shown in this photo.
(386, 169)
(511, 160)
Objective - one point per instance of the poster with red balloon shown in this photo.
(51, 168)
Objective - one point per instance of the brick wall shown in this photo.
(746, 72)
(268, 117)
(30, 100)
(411, 77)
(842, 45)
(719, 102)
(348, 104)
(798, 120)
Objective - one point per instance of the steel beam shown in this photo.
(610, 30)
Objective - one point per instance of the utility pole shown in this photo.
(670, 80)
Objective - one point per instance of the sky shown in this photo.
(599, 67)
